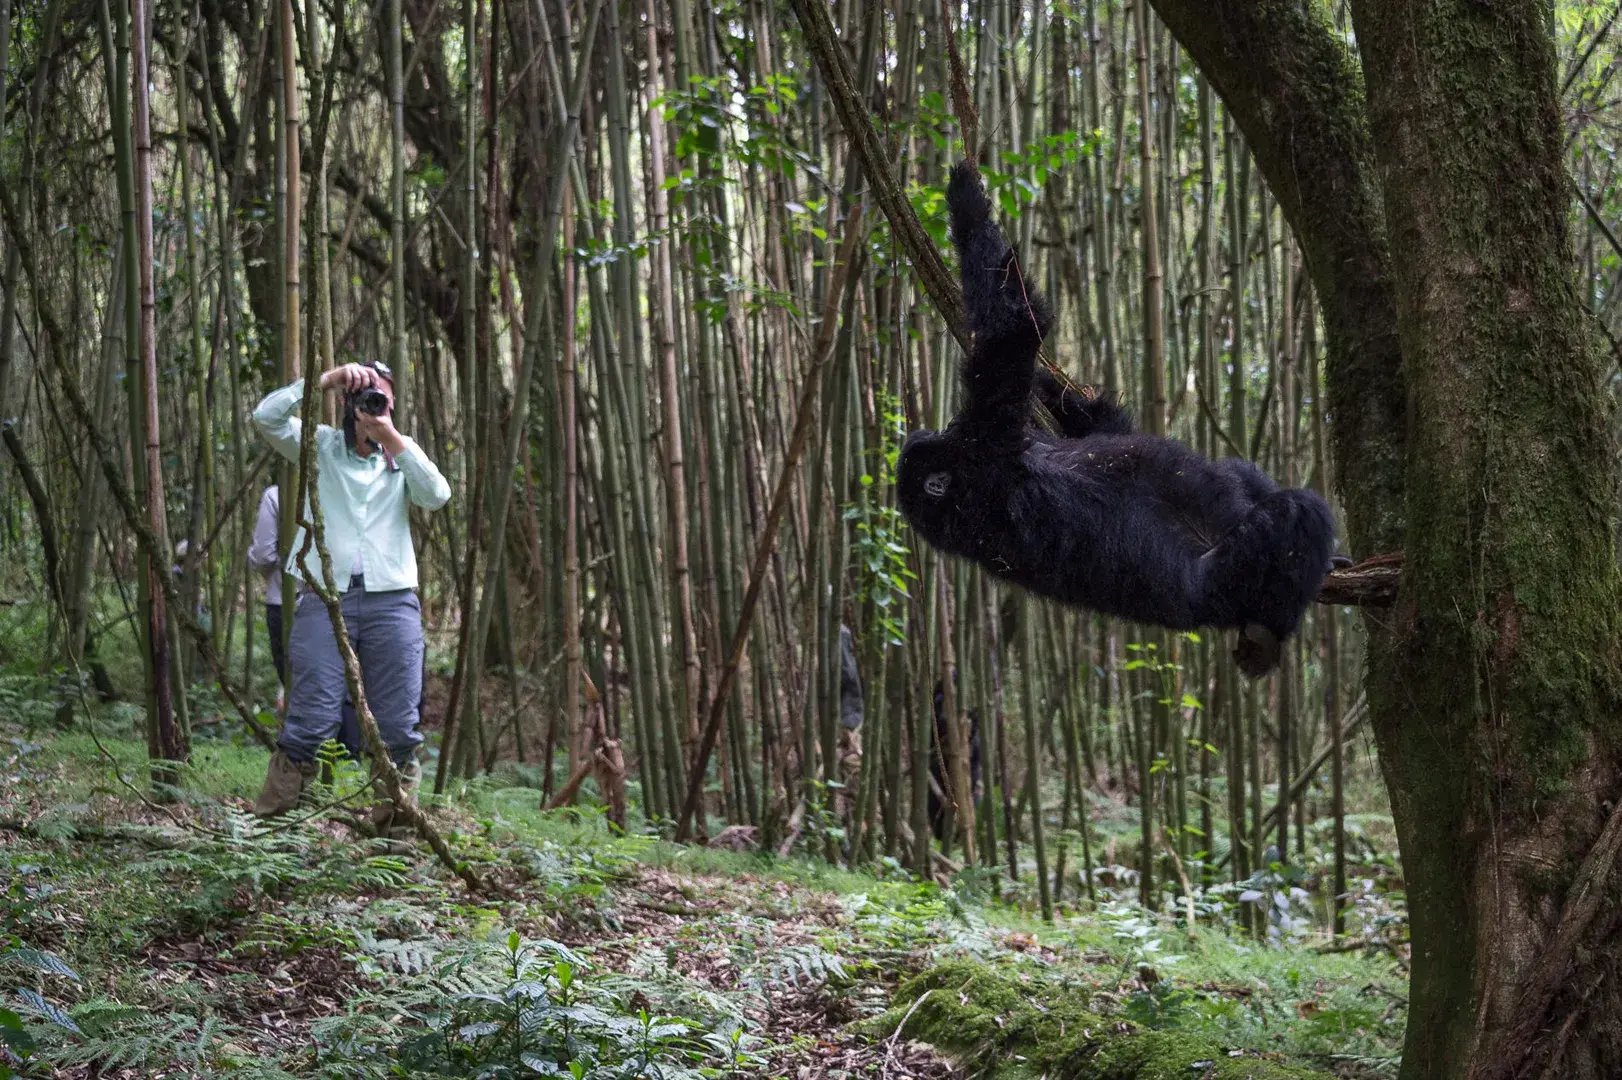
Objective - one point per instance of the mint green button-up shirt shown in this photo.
(363, 501)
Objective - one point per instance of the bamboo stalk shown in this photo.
(804, 412)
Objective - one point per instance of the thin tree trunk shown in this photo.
(805, 410)
(1154, 324)
(681, 588)
(168, 738)
(1033, 756)
(580, 750)
(561, 157)
(394, 47)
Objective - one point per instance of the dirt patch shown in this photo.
(819, 1050)
(272, 998)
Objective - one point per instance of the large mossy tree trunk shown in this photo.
(1469, 424)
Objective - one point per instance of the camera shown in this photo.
(372, 401)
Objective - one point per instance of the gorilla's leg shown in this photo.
(1256, 484)
(1265, 573)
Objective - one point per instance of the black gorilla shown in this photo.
(1100, 516)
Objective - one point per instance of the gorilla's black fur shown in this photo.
(1100, 516)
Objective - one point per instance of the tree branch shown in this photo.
(1371, 583)
(823, 42)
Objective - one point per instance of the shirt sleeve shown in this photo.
(262, 552)
(425, 484)
(276, 417)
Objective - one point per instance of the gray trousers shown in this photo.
(386, 631)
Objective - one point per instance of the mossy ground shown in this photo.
(1012, 1023)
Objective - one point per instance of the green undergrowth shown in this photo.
(1013, 1023)
(139, 939)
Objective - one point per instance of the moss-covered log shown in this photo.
(1002, 1024)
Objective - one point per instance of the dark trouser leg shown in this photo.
(349, 732)
(349, 729)
(278, 654)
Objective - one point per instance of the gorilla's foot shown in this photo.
(1257, 651)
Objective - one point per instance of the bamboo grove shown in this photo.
(642, 307)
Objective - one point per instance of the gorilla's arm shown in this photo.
(1080, 413)
(1008, 317)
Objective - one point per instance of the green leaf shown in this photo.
(13, 1035)
(541, 1066)
(39, 960)
(35, 1003)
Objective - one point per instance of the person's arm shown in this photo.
(425, 484)
(276, 417)
(262, 554)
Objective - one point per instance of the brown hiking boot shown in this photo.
(384, 817)
(285, 781)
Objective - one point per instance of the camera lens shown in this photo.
(372, 401)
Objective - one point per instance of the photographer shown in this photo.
(365, 473)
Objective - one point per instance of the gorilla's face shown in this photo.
(933, 486)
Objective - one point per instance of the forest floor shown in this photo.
(140, 939)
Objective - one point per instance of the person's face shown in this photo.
(371, 430)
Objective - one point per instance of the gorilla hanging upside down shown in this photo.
(1099, 516)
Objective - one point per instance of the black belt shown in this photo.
(356, 581)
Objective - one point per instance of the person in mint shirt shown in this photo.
(368, 475)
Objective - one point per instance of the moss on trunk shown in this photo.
(1501, 757)
(1010, 1025)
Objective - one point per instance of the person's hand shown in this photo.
(380, 430)
(350, 378)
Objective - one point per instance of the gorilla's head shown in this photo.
(939, 487)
